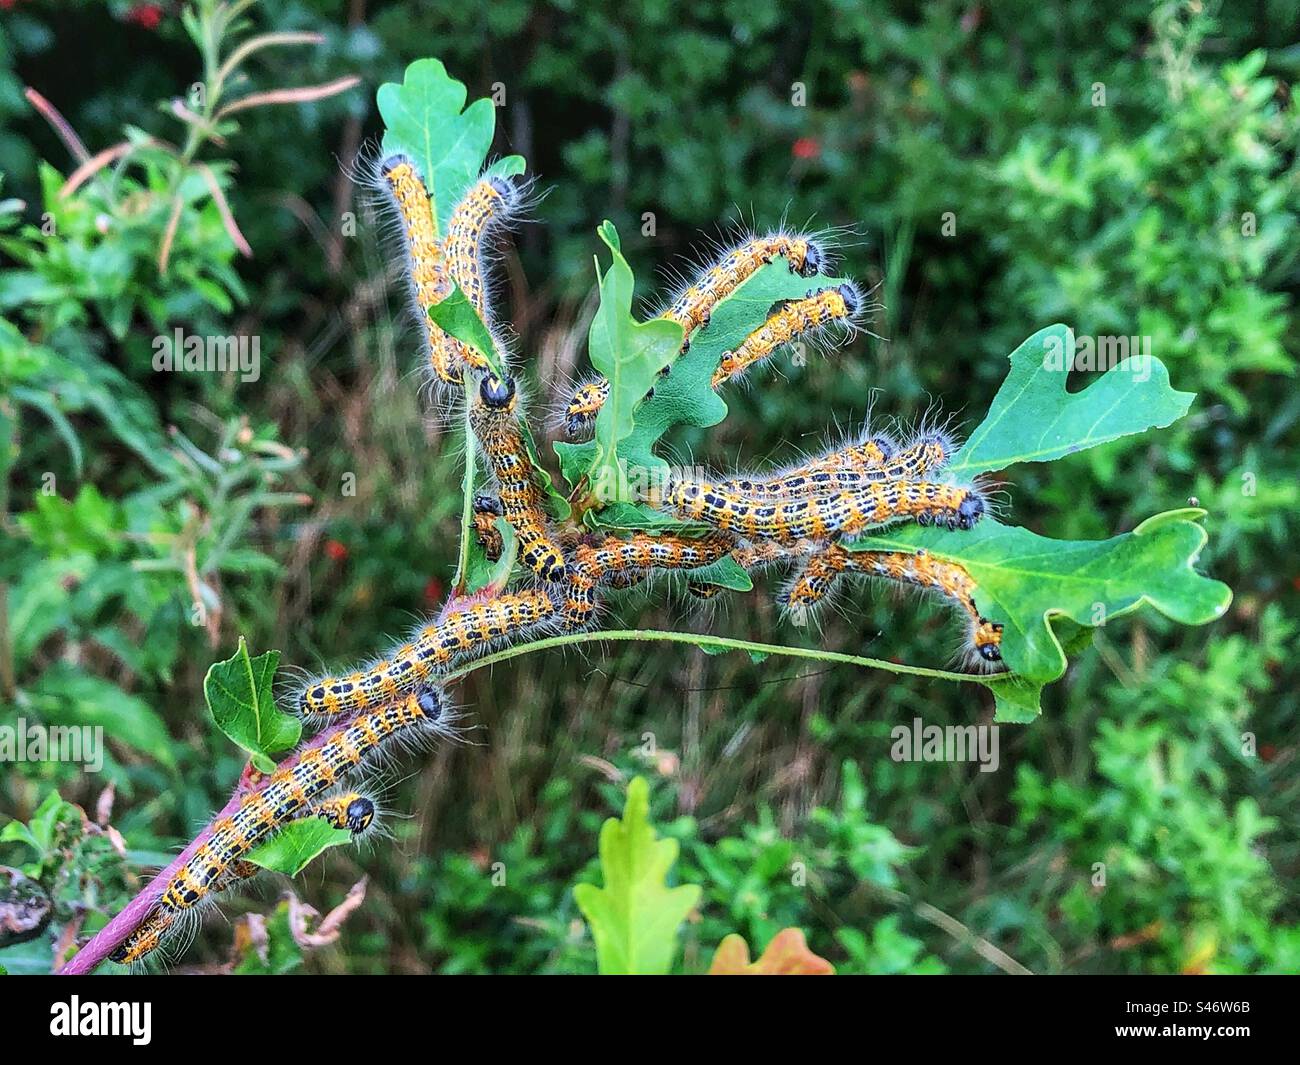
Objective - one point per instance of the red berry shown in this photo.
(336, 551)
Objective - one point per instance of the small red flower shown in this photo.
(146, 16)
(336, 551)
(806, 148)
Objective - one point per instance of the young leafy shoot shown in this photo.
(634, 918)
(240, 698)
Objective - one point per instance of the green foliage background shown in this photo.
(1126, 219)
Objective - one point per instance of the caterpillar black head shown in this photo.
(813, 260)
(429, 700)
(970, 510)
(852, 298)
(497, 392)
(484, 503)
(359, 815)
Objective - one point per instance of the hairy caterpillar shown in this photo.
(694, 306)
(839, 512)
(756, 556)
(352, 812)
(284, 798)
(427, 268)
(462, 631)
(618, 562)
(875, 458)
(921, 570)
(580, 414)
(696, 303)
(487, 508)
(486, 203)
(493, 417)
(794, 319)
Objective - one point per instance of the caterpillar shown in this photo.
(795, 318)
(462, 631)
(693, 308)
(285, 797)
(487, 202)
(352, 812)
(876, 457)
(493, 417)
(580, 415)
(921, 570)
(614, 561)
(487, 509)
(427, 269)
(840, 512)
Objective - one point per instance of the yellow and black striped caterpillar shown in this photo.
(488, 202)
(285, 797)
(875, 458)
(838, 512)
(465, 630)
(351, 812)
(919, 569)
(426, 265)
(494, 417)
(620, 563)
(487, 508)
(794, 319)
(694, 306)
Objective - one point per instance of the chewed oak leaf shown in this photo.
(685, 396)
(629, 355)
(1025, 581)
(297, 844)
(1034, 419)
(240, 698)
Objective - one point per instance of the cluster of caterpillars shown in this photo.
(798, 517)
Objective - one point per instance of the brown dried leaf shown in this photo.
(786, 955)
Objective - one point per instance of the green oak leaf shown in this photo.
(297, 845)
(456, 316)
(1026, 582)
(423, 119)
(1034, 419)
(629, 354)
(634, 918)
(239, 697)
